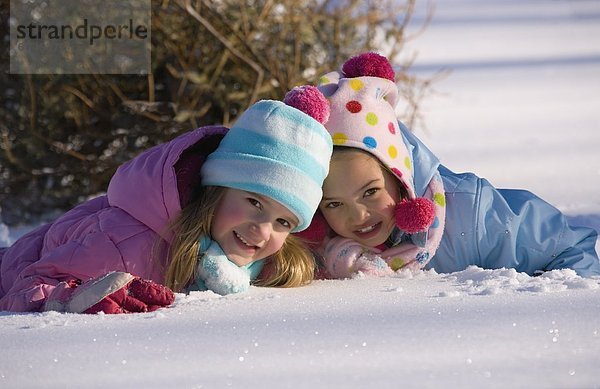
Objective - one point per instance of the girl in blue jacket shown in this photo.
(389, 204)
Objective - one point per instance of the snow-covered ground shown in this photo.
(521, 107)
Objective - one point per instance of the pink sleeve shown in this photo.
(94, 256)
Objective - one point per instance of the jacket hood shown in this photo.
(425, 163)
(146, 187)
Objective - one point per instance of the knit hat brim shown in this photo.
(277, 151)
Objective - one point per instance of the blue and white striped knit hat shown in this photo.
(278, 151)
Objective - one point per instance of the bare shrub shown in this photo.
(62, 136)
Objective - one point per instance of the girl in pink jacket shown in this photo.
(211, 209)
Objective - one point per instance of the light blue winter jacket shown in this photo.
(494, 228)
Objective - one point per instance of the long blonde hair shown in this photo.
(293, 265)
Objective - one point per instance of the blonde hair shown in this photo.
(292, 265)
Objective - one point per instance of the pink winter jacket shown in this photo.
(115, 232)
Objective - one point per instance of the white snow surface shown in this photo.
(520, 107)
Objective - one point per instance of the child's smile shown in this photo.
(369, 231)
(244, 244)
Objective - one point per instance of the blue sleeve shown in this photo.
(494, 228)
(516, 229)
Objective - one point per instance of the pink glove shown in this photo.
(345, 257)
(115, 292)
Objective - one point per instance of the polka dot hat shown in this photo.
(362, 100)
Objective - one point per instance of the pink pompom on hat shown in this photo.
(309, 100)
(363, 97)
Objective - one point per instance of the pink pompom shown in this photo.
(309, 100)
(368, 64)
(316, 231)
(415, 215)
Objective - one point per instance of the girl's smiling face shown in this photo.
(249, 226)
(359, 198)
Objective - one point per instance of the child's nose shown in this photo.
(262, 229)
(359, 213)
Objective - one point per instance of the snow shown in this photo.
(520, 108)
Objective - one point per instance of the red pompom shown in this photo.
(368, 64)
(309, 100)
(316, 231)
(415, 215)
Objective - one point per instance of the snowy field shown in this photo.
(521, 107)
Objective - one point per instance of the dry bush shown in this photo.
(62, 136)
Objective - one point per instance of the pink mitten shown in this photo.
(115, 292)
(344, 257)
(373, 265)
